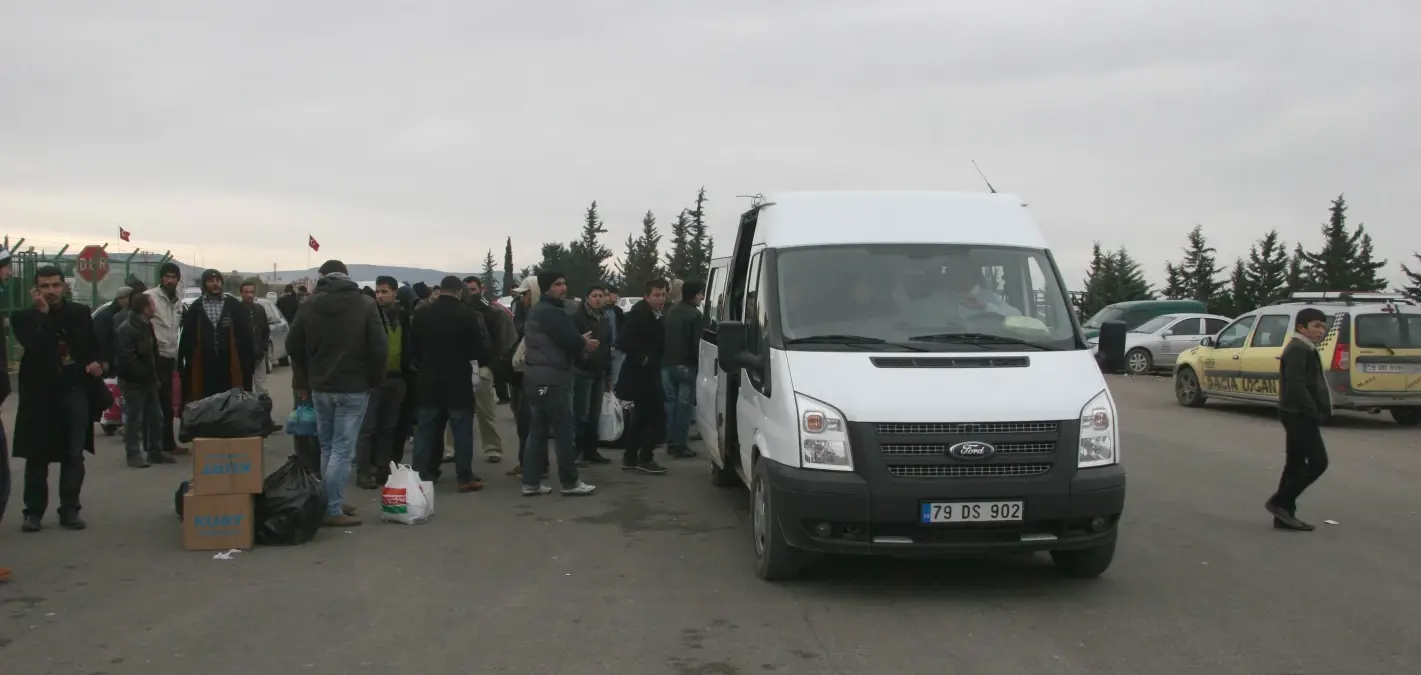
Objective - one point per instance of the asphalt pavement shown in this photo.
(653, 575)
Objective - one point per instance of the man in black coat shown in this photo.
(59, 373)
(643, 339)
(445, 341)
(591, 375)
(379, 432)
(106, 325)
(136, 365)
(215, 351)
(6, 271)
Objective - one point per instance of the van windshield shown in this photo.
(1106, 314)
(937, 297)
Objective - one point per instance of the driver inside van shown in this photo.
(961, 295)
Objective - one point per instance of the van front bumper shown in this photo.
(842, 513)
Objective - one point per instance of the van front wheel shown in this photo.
(1085, 563)
(1407, 417)
(775, 559)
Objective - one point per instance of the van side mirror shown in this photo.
(1208, 341)
(1111, 346)
(731, 338)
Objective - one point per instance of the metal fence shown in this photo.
(123, 268)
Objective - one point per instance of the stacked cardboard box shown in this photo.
(219, 509)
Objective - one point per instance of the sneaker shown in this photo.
(472, 486)
(629, 465)
(650, 466)
(31, 524)
(72, 523)
(162, 458)
(580, 490)
(493, 457)
(536, 491)
(137, 462)
(342, 520)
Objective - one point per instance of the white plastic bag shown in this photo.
(609, 422)
(404, 498)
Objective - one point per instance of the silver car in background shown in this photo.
(1157, 343)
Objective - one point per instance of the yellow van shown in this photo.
(1371, 356)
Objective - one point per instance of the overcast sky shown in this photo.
(423, 133)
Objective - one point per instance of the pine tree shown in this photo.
(509, 283)
(1175, 287)
(1267, 272)
(1240, 296)
(1127, 280)
(489, 281)
(1366, 270)
(1298, 277)
(588, 257)
(1094, 296)
(643, 259)
(699, 243)
(1196, 276)
(679, 259)
(556, 258)
(1412, 289)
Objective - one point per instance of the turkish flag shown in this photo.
(315, 245)
(124, 234)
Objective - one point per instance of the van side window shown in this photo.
(1273, 331)
(715, 289)
(1233, 336)
(752, 304)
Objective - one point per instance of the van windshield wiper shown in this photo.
(979, 338)
(850, 341)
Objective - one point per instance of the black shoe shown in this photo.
(1285, 520)
(595, 457)
(366, 481)
(72, 523)
(31, 524)
(681, 453)
(650, 466)
(628, 464)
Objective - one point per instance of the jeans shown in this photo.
(550, 411)
(587, 394)
(618, 358)
(143, 414)
(1305, 463)
(338, 419)
(259, 374)
(429, 432)
(377, 431)
(484, 409)
(77, 427)
(678, 386)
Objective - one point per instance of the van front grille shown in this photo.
(925, 428)
(936, 449)
(968, 470)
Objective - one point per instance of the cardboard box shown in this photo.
(227, 466)
(218, 522)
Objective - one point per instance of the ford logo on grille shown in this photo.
(971, 450)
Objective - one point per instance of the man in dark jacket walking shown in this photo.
(338, 351)
(445, 339)
(136, 364)
(1303, 403)
(591, 375)
(215, 351)
(382, 416)
(678, 367)
(643, 339)
(55, 422)
(552, 345)
(106, 326)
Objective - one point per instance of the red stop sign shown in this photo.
(92, 265)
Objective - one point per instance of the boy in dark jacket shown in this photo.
(679, 365)
(643, 339)
(382, 415)
(591, 375)
(1303, 404)
(136, 364)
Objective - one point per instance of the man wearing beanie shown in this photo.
(338, 351)
(551, 345)
(167, 325)
(215, 350)
(105, 324)
(679, 364)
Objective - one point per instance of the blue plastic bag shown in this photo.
(302, 421)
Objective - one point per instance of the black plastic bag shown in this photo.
(291, 507)
(234, 413)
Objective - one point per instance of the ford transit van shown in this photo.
(900, 373)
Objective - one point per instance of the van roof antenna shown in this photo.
(983, 175)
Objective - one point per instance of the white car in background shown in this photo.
(626, 303)
(1157, 343)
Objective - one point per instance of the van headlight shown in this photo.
(1099, 433)
(823, 436)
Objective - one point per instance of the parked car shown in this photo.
(1136, 312)
(1157, 343)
